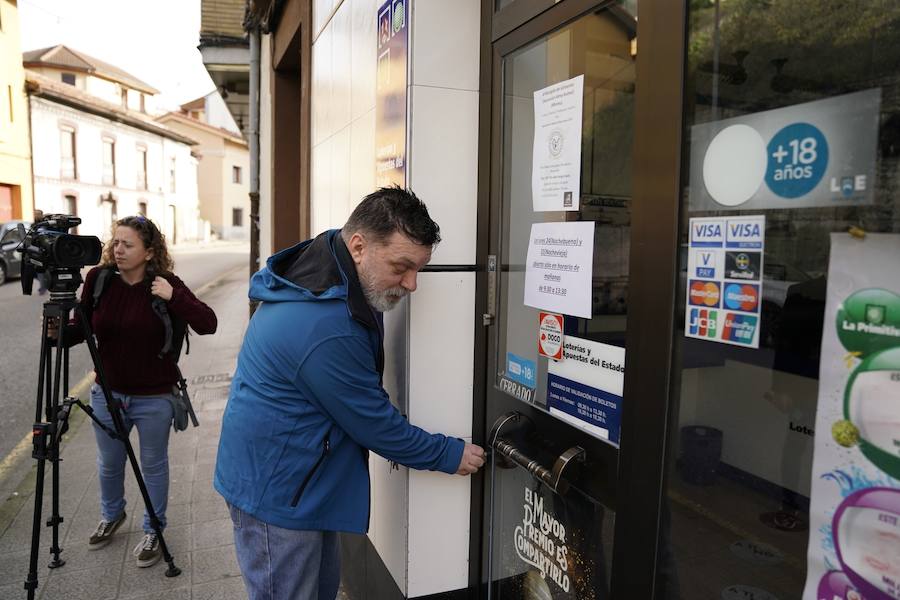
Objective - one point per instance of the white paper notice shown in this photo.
(559, 267)
(556, 166)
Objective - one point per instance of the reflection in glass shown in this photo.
(740, 459)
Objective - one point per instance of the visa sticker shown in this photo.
(745, 233)
(707, 233)
(521, 370)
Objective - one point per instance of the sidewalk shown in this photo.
(199, 532)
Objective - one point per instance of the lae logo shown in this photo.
(742, 296)
(705, 293)
(703, 322)
(739, 328)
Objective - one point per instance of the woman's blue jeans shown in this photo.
(152, 415)
(285, 564)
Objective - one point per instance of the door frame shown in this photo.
(653, 271)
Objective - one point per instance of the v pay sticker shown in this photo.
(550, 336)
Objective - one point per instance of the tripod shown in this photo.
(53, 378)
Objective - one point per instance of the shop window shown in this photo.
(109, 161)
(237, 217)
(235, 174)
(793, 132)
(67, 153)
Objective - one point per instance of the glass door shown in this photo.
(558, 296)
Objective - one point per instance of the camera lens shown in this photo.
(71, 249)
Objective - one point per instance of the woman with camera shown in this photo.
(130, 335)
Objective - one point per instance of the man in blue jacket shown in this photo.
(307, 401)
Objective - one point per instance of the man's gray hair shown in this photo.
(392, 209)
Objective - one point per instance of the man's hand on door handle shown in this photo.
(472, 460)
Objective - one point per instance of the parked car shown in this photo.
(10, 259)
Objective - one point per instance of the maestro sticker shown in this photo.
(550, 335)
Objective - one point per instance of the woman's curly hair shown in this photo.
(161, 262)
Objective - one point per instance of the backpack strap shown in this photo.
(101, 283)
(177, 331)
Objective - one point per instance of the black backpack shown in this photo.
(176, 337)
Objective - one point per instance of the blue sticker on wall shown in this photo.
(521, 370)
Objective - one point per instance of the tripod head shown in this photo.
(63, 283)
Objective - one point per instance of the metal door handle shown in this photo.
(553, 478)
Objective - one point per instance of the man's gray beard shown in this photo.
(381, 301)
(386, 300)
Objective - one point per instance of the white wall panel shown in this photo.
(442, 314)
(389, 527)
(362, 158)
(445, 46)
(444, 166)
(321, 13)
(340, 67)
(340, 178)
(320, 188)
(363, 55)
(322, 88)
(438, 532)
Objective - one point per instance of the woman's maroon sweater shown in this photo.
(130, 335)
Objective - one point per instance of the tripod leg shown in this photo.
(40, 432)
(62, 370)
(114, 408)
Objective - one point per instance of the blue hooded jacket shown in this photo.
(307, 401)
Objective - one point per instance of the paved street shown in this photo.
(199, 532)
(20, 335)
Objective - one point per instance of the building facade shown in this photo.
(700, 165)
(93, 76)
(100, 161)
(223, 175)
(16, 197)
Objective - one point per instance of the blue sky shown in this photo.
(154, 40)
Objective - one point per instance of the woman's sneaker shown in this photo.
(147, 550)
(104, 532)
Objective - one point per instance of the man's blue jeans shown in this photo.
(285, 564)
(152, 415)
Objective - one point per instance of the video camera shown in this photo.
(47, 248)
